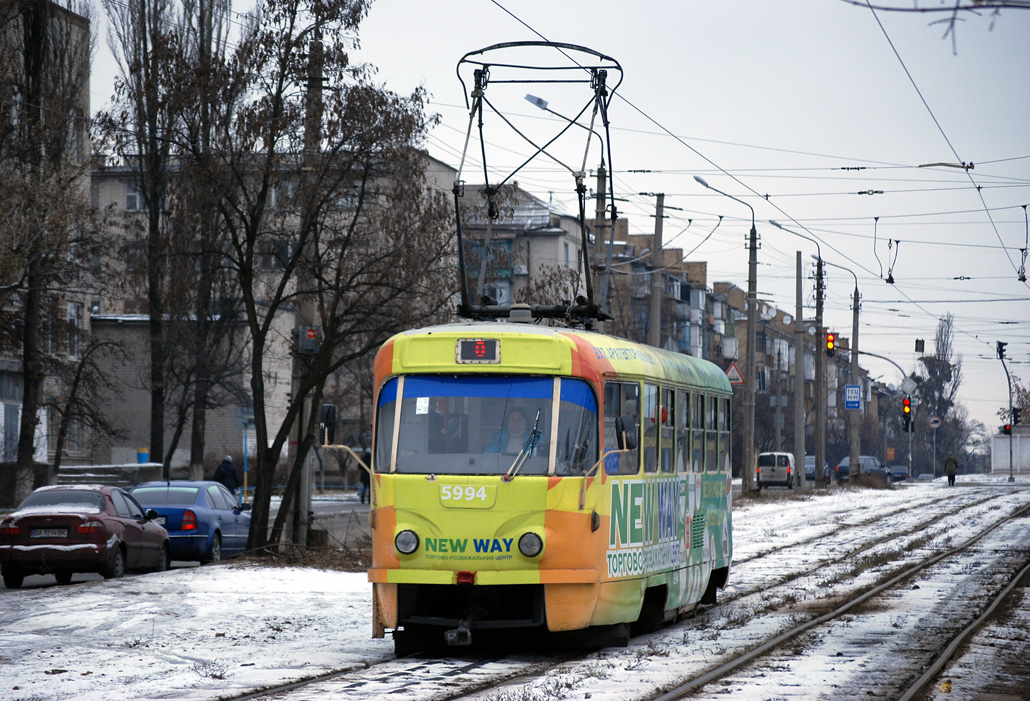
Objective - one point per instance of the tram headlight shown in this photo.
(406, 542)
(530, 544)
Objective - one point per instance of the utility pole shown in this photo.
(799, 381)
(748, 474)
(1001, 357)
(305, 315)
(655, 321)
(855, 416)
(597, 257)
(820, 381)
(599, 221)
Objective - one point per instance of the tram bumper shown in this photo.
(551, 599)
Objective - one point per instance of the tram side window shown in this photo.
(697, 422)
(577, 428)
(682, 431)
(724, 435)
(621, 399)
(651, 421)
(667, 428)
(711, 435)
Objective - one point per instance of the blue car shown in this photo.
(202, 518)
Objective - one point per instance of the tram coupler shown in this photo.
(460, 636)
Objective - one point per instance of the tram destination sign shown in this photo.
(478, 351)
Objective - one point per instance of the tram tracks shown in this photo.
(904, 681)
(762, 591)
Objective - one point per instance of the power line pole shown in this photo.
(305, 315)
(655, 321)
(820, 381)
(799, 380)
(855, 415)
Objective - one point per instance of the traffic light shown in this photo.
(1015, 415)
(1006, 429)
(1001, 350)
(831, 345)
(906, 417)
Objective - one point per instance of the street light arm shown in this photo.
(826, 262)
(818, 248)
(702, 181)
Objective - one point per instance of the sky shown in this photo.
(203, 633)
(796, 108)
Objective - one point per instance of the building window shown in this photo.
(133, 198)
(566, 252)
(74, 330)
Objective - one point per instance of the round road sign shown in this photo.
(935, 422)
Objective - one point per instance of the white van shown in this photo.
(775, 469)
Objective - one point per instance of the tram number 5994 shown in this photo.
(459, 493)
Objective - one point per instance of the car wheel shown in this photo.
(215, 553)
(164, 561)
(63, 577)
(13, 580)
(116, 568)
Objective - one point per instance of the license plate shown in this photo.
(160, 520)
(48, 533)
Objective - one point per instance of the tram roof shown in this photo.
(548, 350)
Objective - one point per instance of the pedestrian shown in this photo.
(951, 467)
(366, 478)
(226, 474)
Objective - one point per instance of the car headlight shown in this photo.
(406, 542)
(530, 544)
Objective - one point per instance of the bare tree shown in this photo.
(170, 52)
(955, 11)
(348, 225)
(44, 64)
(145, 42)
(81, 382)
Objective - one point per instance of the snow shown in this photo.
(211, 632)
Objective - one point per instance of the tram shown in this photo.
(528, 477)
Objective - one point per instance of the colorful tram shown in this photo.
(505, 496)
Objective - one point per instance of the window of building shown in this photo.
(74, 330)
(133, 198)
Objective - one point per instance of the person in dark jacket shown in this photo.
(366, 479)
(950, 468)
(226, 474)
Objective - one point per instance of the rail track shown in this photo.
(835, 597)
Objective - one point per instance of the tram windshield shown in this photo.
(479, 425)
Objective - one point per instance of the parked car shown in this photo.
(810, 469)
(65, 529)
(899, 473)
(868, 465)
(202, 517)
(775, 469)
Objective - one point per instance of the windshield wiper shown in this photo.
(527, 449)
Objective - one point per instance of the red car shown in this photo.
(80, 528)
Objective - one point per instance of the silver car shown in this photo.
(775, 469)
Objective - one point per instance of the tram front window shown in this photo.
(476, 425)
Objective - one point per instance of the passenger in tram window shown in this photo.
(513, 436)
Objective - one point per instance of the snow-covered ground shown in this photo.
(211, 632)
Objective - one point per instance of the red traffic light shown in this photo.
(907, 405)
(1007, 429)
(831, 344)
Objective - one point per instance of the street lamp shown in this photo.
(820, 361)
(853, 419)
(750, 366)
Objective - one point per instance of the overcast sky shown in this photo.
(778, 104)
